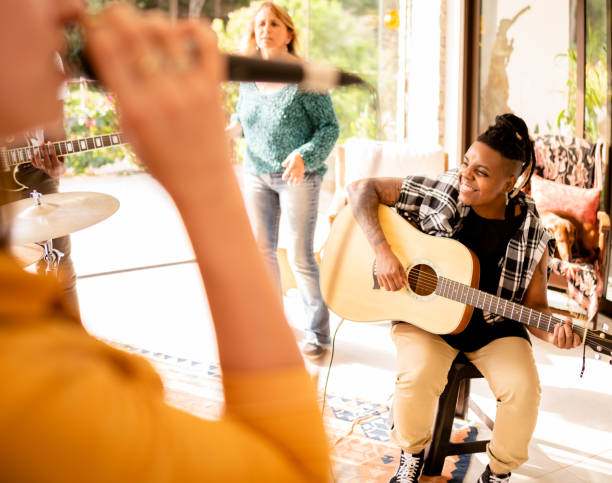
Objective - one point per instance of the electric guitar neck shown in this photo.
(16, 156)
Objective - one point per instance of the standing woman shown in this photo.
(289, 134)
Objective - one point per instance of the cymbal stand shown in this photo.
(52, 255)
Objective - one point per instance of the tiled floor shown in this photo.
(163, 308)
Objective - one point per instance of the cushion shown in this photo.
(367, 158)
(581, 203)
(565, 159)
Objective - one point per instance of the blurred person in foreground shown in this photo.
(78, 410)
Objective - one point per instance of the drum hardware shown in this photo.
(46, 217)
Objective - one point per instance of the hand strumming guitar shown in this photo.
(389, 270)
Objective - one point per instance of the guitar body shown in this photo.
(12, 179)
(348, 282)
(442, 275)
(9, 174)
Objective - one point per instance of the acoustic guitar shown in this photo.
(442, 278)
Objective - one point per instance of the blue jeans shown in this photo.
(266, 196)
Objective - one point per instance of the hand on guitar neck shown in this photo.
(536, 298)
(53, 163)
(46, 159)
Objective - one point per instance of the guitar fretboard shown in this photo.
(482, 300)
(16, 156)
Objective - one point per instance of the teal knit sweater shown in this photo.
(274, 125)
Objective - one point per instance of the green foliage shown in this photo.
(595, 96)
(343, 34)
(89, 112)
(338, 37)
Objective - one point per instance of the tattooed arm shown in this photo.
(537, 299)
(364, 197)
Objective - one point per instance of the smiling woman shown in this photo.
(490, 169)
(482, 206)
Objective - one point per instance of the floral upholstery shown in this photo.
(573, 161)
(584, 283)
(566, 160)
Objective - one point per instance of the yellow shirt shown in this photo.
(73, 409)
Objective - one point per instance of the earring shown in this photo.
(507, 197)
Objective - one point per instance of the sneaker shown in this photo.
(409, 469)
(489, 477)
(313, 351)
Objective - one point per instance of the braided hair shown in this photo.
(510, 137)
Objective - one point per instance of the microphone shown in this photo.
(311, 76)
(240, 68)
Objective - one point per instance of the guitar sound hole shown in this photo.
(422, 279)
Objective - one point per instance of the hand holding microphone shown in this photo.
(237, 68)
(169, 101)
(166, 80)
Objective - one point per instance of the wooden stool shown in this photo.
(454, 401)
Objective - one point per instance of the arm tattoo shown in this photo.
(365, 196)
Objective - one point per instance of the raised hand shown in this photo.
(166, 80)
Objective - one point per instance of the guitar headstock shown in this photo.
(600, 342)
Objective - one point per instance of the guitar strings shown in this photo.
(430, 283)
(57, 145)
(432, 278)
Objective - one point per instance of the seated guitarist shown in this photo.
(479, 205)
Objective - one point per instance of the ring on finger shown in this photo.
(148, 64)
(182, 64)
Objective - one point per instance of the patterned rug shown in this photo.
(358, 429)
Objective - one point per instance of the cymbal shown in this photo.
(26, 255)
(57, 215)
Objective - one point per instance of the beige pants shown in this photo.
(508, 365)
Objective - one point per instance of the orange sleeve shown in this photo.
(74, 409)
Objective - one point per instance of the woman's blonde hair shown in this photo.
(250, 47)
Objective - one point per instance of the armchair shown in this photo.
(366, 158)
(567, 187)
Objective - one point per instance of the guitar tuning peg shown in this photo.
(605, 327)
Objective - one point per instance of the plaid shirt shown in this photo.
(432, 204)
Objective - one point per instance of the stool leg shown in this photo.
(443, 426)
(463, 399)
